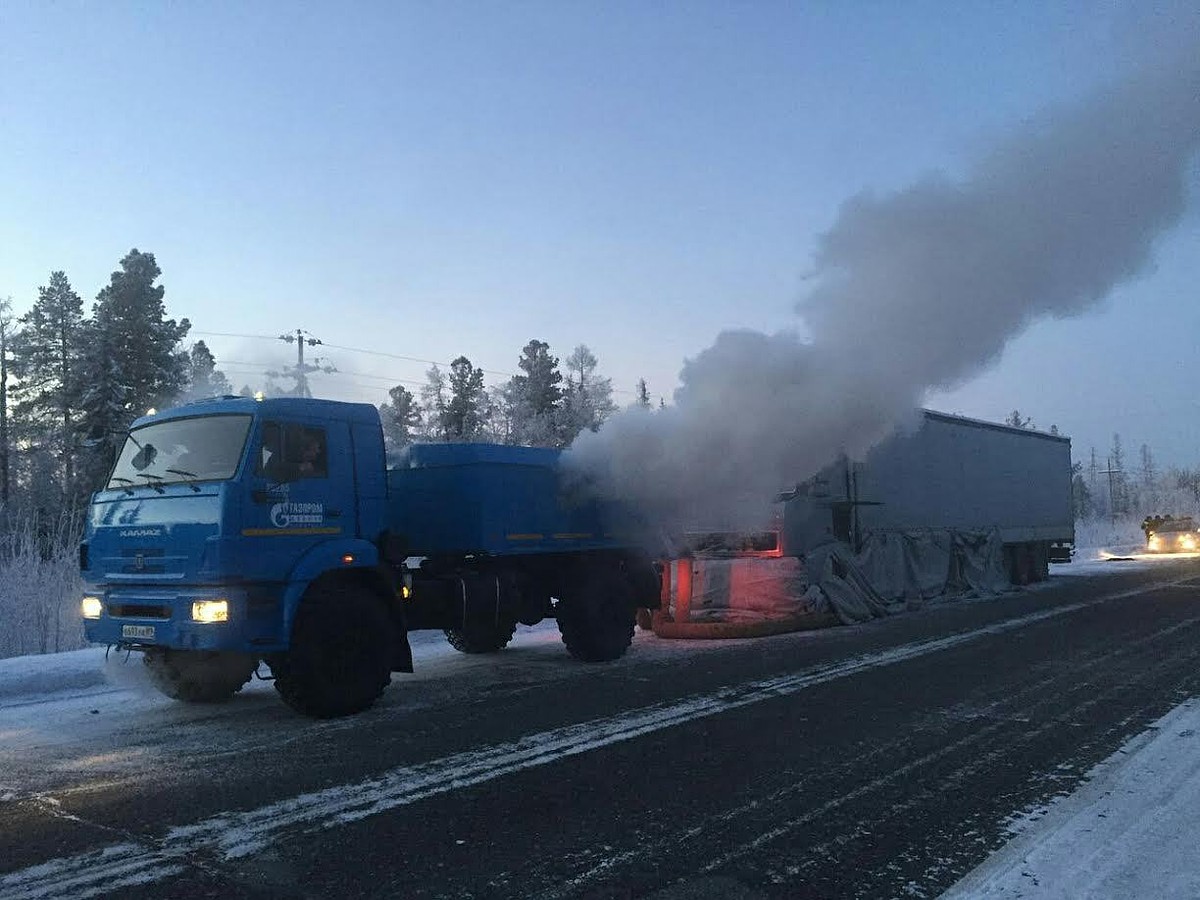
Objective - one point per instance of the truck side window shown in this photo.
(311, 457)
(290, 452)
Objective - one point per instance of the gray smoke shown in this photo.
(918, 289)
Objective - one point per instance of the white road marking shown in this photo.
(233, 835)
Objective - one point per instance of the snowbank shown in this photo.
(1130, 831)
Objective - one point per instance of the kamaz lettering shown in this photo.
(142, 533)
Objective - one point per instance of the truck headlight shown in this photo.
(209, 611)
(91, 607)
(1187, 542)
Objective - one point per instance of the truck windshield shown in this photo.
(204, 448)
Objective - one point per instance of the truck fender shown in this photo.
(332, 555)
(353, 557)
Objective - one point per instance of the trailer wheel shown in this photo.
(596, 619)
(341, 655)
(478, 638)
(198, 676)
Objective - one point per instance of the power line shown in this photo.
(381, 353)
(225, 363)
(264, 337)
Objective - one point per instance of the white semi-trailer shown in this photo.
(948, 473)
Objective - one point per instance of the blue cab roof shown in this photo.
(284, 407)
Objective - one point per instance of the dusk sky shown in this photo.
(435, 179)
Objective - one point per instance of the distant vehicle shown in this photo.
(1172, 535)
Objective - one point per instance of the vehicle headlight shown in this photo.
(1154, 542)
(209, 611)
(1187, 542)
(91, 607)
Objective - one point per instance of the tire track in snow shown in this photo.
(230, 836)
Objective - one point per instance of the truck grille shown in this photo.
(139, 611)
(143, 561)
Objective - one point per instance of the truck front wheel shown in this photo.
(198, 676)
(596, 618)
(341, 653)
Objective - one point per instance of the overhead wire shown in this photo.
(381, 353)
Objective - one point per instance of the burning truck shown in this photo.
(951, 505)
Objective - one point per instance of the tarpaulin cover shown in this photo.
(896, 570)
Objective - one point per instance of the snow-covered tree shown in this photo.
(204, 378)
(1016, 420)
(499, 425)
(534, 397)
(642, 400)
(1081, 497)
(47, 361)
(130, 317)
(434, 399)
(132, 362)
(465, 412)
(104, 405)
(587, 399)
(401, 418)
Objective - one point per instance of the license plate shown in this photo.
(142, 632)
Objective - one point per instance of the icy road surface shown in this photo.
(883, 760)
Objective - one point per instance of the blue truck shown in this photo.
(235, 531)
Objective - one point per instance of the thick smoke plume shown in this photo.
(914, 290)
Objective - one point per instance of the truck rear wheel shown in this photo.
(481, 638)
(596, 619)
(198, 676)
(341, 655)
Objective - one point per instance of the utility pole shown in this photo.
(1112, 505)
(302, 369)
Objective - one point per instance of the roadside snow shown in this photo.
(1130, 831)
(51, 673)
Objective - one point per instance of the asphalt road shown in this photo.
(875, 761)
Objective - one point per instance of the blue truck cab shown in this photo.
(235, 531)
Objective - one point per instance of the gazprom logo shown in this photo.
(141, 532)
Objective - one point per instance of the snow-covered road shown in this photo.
(87, 732)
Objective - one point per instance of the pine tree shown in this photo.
(464, 414)
(1149, 473)
(1016, 420)
(132, 361)
(1081, 497)
(204, 378)
(47, 361)
(433, 404)
(401, 420)
(130, 315)
(500, 423)
(643, 395)
(535, 397)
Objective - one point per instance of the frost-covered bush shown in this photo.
(40, 589)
